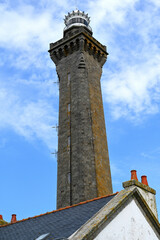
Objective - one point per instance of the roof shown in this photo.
(110, 210)
(2, 222)
(61, 223)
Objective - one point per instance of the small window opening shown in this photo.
(69, 177)
(68, 108)
(69, 141)
(69, 78)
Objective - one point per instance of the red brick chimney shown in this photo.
(144, 180)
(1, 217)
(134, 175)
(14, 219)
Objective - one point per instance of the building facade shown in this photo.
(83, 160)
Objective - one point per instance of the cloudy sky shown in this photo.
(29, 95)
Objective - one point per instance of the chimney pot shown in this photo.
(134, 175)
(144, 180)
(13, 220)
(1, 217)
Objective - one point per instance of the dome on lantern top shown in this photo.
(77, 18)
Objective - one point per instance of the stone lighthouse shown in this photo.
(83, 160)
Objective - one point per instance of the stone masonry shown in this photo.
(83, 160)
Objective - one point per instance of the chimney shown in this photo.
(134, 175)
(144, 180)
(13, 220)
(146, 191)
(1, 217)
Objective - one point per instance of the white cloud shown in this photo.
(29, 27)
(156, 2)
(133, 90)
(26, 33)
(33, 120)
(25, 107)
(132, 82)
(109, 13)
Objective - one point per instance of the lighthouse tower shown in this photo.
(83, 160)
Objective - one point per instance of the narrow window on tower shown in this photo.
(69, 178)
(69, 79)
(68, 109)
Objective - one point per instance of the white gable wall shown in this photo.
(149, 198)
(130, 224)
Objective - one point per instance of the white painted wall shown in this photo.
(149, 197)
(129, 224)
(151, 200)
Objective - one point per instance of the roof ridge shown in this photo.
(60, 209)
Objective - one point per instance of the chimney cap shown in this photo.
(13, 219)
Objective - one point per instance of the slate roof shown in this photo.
(61, 223)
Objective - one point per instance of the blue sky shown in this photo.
(29, 96)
